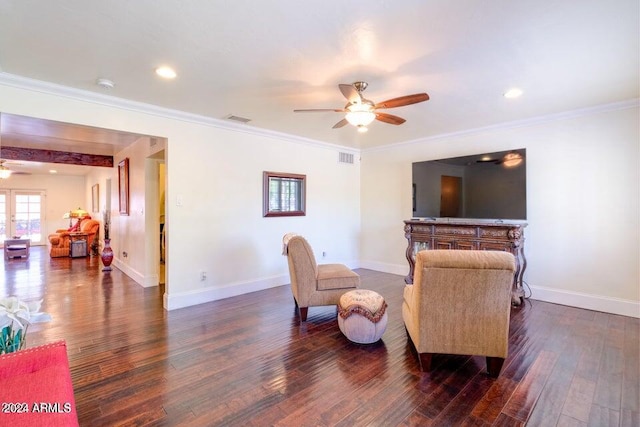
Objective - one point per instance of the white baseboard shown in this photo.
(588, 301)
(200, 296)
(135, 275)
(572, 299)
(151, 280)
(400, 270)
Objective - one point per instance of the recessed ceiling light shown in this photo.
(513, 93)
(105, 83)
(53, 171)
(166, 72)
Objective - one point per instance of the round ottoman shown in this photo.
(362, 316)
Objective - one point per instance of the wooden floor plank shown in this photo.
(579, 399)
(526, 394)
(248, 360)
(631, 368)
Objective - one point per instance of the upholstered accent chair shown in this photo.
(60, 242)
(315, 284)
(460, 303)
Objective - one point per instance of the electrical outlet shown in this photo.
(124, 254)
(324, 254)
(203, 276)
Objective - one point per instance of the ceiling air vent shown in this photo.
(237, 118)
(345, 158)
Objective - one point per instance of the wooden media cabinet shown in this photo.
(427, 234)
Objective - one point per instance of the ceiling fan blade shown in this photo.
(341, 123)
(320, 110)
(403, 100)
(390, 118)
(350, 93)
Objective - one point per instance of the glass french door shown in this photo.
(21, 215)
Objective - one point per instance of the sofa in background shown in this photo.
(60, 242)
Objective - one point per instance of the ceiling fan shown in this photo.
(360, 112)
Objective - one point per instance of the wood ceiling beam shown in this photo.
(51, 156)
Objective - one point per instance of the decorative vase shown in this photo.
(107, 255)
(11, 340)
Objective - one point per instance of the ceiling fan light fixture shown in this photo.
(5, 172)
(360, 114)
(362, 128)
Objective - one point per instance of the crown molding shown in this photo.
(33, 85)
(604, 108)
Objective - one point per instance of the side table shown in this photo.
(16, 248)
(78, 244)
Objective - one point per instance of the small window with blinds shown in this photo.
(284, 194)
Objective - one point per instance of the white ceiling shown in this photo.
(263, 59)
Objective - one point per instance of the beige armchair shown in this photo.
(460, 303)
(313, 284)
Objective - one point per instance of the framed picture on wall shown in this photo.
(95, 199)
(123, 186)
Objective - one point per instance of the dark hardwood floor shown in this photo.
(247, 361)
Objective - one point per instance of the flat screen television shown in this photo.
(491, 186)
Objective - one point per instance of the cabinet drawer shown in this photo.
(444, 244)
(495, 246)
(466, 245)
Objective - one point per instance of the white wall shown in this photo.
(215, 170)
(63, 193)
(583, 198)
(583, 190)
(217, 178)
(99, 175)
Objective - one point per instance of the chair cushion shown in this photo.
(336, 276)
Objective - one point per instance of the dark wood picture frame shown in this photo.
(95, 198)
(272, 206)
(123, 186)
